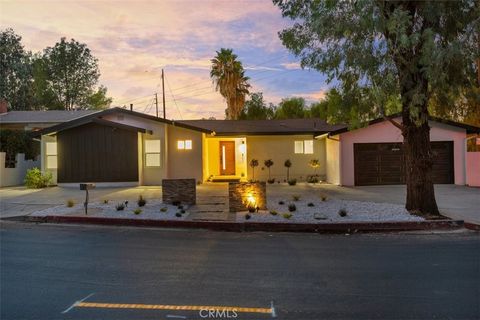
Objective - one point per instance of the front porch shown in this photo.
(225, 159)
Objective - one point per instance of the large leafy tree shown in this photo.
(409, 49)
(256, 108)
(229, 77)
(291, 108)
(72, 73)
(16, 71)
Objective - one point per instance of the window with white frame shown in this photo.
(184, 144)
(304, 146)
(308, 146)
(152, 153)
(298, 146)
(51, 155)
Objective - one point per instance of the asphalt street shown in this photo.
(135, 273)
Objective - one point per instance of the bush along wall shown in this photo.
(13, 142)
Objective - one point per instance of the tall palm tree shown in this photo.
(229, 77)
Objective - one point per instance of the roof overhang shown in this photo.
(80, 122)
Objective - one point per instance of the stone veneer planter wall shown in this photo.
(239, 192)
(183, 190)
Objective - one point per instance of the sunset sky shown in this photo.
(133, 40)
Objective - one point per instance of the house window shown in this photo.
(51, 155)
(308, 147)
(305, 146)
(298, 146)
(184, 144)
(152, 153)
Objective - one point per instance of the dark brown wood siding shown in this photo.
(97, 153)
(384, 163)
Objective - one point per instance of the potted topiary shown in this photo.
(268, 163)
(287, 165)
(253, 164)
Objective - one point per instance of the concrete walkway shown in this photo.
(456, 202)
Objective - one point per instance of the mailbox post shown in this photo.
(86, 187)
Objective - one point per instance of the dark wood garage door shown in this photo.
(97, 153)
(383, 163)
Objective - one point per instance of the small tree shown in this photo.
(287, 165)
(253, 164)
(314, 163)
(268, 163)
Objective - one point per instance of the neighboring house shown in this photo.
(35, 120)
(119, 146)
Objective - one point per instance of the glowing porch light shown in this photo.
(251, 201)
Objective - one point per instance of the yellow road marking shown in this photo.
(169, 307)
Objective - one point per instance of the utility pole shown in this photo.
(163, 91)
(156, 103)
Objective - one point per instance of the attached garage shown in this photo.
(374, 155)
(97, 150)
(384, 163)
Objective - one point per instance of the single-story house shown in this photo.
(124, 147)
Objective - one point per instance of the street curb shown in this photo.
(472, 226)
(259, 226)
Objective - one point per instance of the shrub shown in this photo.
(292, 182)
(176, 202)
(310, 204)
(287, 165)
(342, 212)
(182, 211)
(287, 215)
(120, 207)
(70, 203)
(137, 211)
(247, 217)
(13, 142)
(163, 209)
(281, 202)
(295, 197)
(271, 181)
(180, 207)
(105, 201)
(323, 197)
(253, 164)
(141, 201)
(35, 179)
(268, 163)
(273, 212)
(292, 207)
(178, 214)
(312, 179)
(251, 209)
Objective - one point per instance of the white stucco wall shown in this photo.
(184, 164)
(387, 132)
(280, 148)
(15, 176)
(333, 160)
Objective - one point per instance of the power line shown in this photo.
(174, 100)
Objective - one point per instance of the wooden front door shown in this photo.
(227, 158)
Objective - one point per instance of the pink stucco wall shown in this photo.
(386, 132)
(473, 169)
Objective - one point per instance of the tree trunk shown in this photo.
(418, 166)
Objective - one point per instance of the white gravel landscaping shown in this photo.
(152, 210)
(328, 211)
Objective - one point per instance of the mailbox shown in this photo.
(87, 186)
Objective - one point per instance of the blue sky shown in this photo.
(134, 40)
